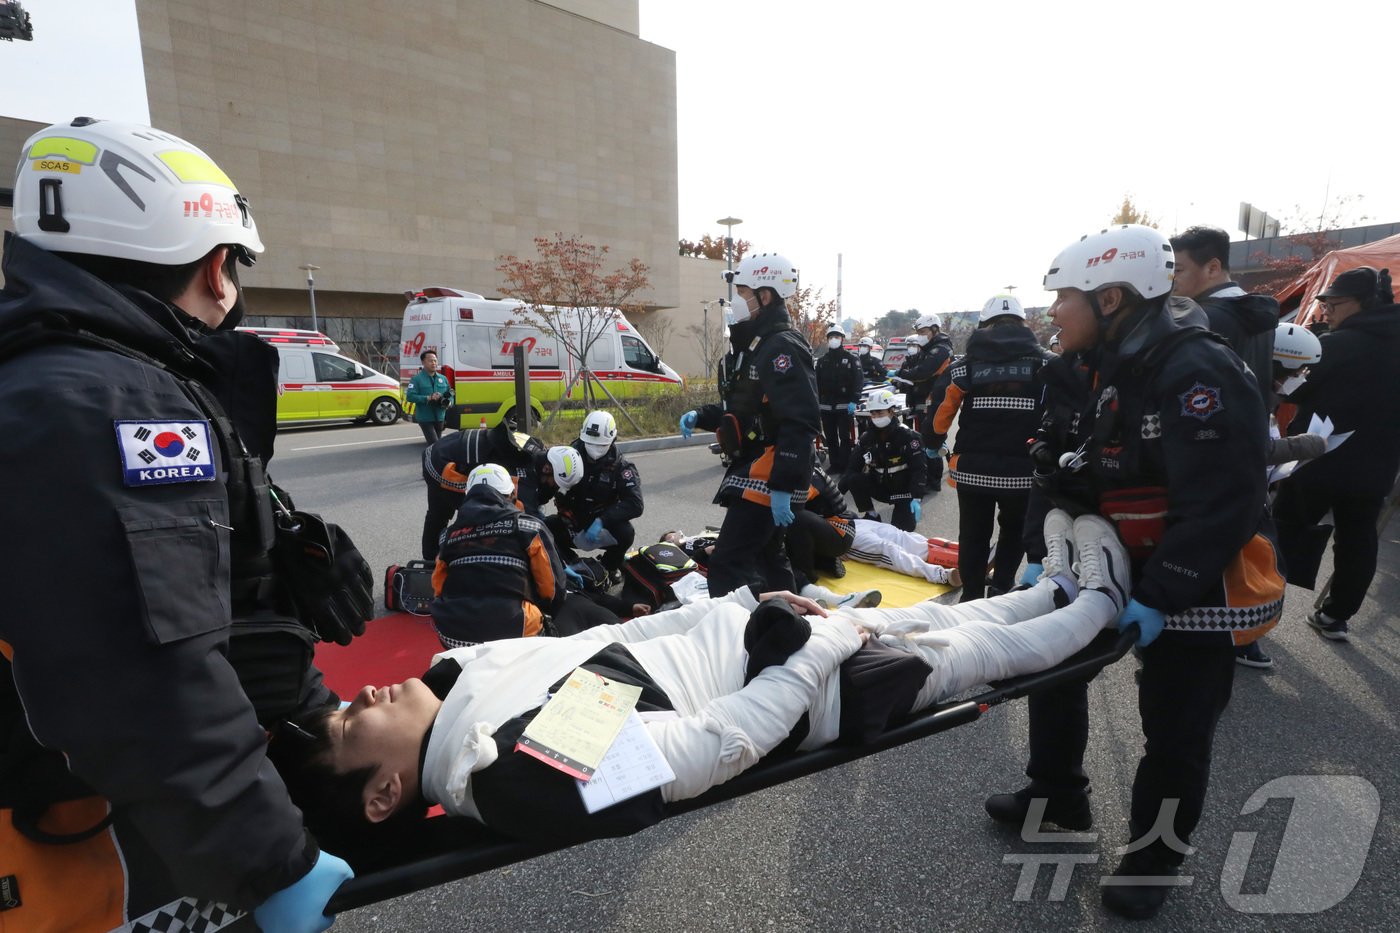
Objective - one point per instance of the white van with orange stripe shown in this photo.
(316, 383)
(475, 339)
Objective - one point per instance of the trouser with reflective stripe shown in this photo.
(866, 487)
(838, 431)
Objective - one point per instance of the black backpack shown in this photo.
(649, 573)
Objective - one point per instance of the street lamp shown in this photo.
(729, 223)
(705, 333)
(308, 268)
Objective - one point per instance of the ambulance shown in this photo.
(316, 383)
(475, 340)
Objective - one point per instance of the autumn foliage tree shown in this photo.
(567, 293)
(710, 247)
(811, 314)
(1309, 237)
(1130, 213)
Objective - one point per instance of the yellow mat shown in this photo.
(897, 590)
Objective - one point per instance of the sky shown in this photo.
(84, 60)
(948, 150)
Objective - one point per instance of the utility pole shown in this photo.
(308, 268)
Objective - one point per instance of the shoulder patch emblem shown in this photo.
(157, 452)
(1201, 401)
(782, 363)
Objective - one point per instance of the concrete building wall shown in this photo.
(400, 145)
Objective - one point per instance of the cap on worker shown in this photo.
(1354, 283)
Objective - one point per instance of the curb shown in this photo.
(641, 445)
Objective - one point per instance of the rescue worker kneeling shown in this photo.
(598, 510)
(498, 574)
(888, 464)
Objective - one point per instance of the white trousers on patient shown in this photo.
(724, 726)
(884, 545)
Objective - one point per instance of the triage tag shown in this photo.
(575, 729)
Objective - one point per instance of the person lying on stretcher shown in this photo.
(744, 674)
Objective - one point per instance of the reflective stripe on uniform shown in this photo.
(989, 482)
(1013, 403)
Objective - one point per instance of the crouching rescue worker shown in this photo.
(498, 574)
(888, 464)
(1170, 446)
(766, 421)
(134, 770)
(447, 462)
(597, 512)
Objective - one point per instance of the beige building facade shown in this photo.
(398, 145)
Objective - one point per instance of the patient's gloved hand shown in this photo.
(300, 907)
(1149, 622)
(1031, 575)
(688, 423)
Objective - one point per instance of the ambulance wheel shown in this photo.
(530, 423)
(384, 411)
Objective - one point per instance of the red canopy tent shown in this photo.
(1301, 294)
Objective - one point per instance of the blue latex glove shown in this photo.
(782, 507)
(574, 577)
(850, 408)
(917, 508)
(300, 908)
(688, 423)
(589, 538)
(1149, 621)
(1031, 574)
(930, 453)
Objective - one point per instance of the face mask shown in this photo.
(737, 312)
(235, 314)
(596, 451)
(834, 342)
(864, 351)
(880, 421)
(912, 349)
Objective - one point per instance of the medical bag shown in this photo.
(409, 587)
(943, 552)
(649, 573)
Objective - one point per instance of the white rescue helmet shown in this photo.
(1130, 256)
(867, 342)
(880, 400)
(1295, 346)
(598, 433)
(495, 476)
(567, 466)
(765, 269)
(836, 329)
(1000, 305)
(929, 320)
(130, 192)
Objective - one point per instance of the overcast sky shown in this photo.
(84, 60)
(950, 149)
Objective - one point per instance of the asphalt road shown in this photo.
(899, 841)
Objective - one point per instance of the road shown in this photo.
(899, 841)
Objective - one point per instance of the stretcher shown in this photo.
(452, 848)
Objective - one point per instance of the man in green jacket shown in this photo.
(431, 395)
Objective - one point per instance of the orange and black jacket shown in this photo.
(498, 574)
(1175, 440)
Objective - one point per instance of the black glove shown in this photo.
(327, 576)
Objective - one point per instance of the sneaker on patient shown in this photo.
(1059, 544)
(862, 599)
(1103, 561)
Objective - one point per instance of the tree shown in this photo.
(567, 293)
(1310, 233)
(893, 324)
(810, 314)
(1128, 213)
(709, 339)
(713, 248)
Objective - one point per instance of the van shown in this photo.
(475, 339)
(315, 383)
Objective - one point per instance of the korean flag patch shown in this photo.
(159, 452)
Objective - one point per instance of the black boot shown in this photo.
(1069, 811)
(1139, 901)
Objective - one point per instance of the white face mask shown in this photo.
(833, 342)
(864, 351)
(881, 421)
(912, 349)
(596, 451)
(737, 311)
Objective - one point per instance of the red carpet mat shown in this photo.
(393, 648)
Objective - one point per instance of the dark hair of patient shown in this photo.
(331, 802)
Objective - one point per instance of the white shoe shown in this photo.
(946, 576)
(1059, 544)
(865, 599)
(820, 595)
(1103, 561)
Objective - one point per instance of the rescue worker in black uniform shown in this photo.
(939, 357)
(870, 366)
(606, 499)
(839, 384)
(995, 392)
(447, 462)
(1170, 446)
(767, 422)
(137, 527)
(888, 464)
